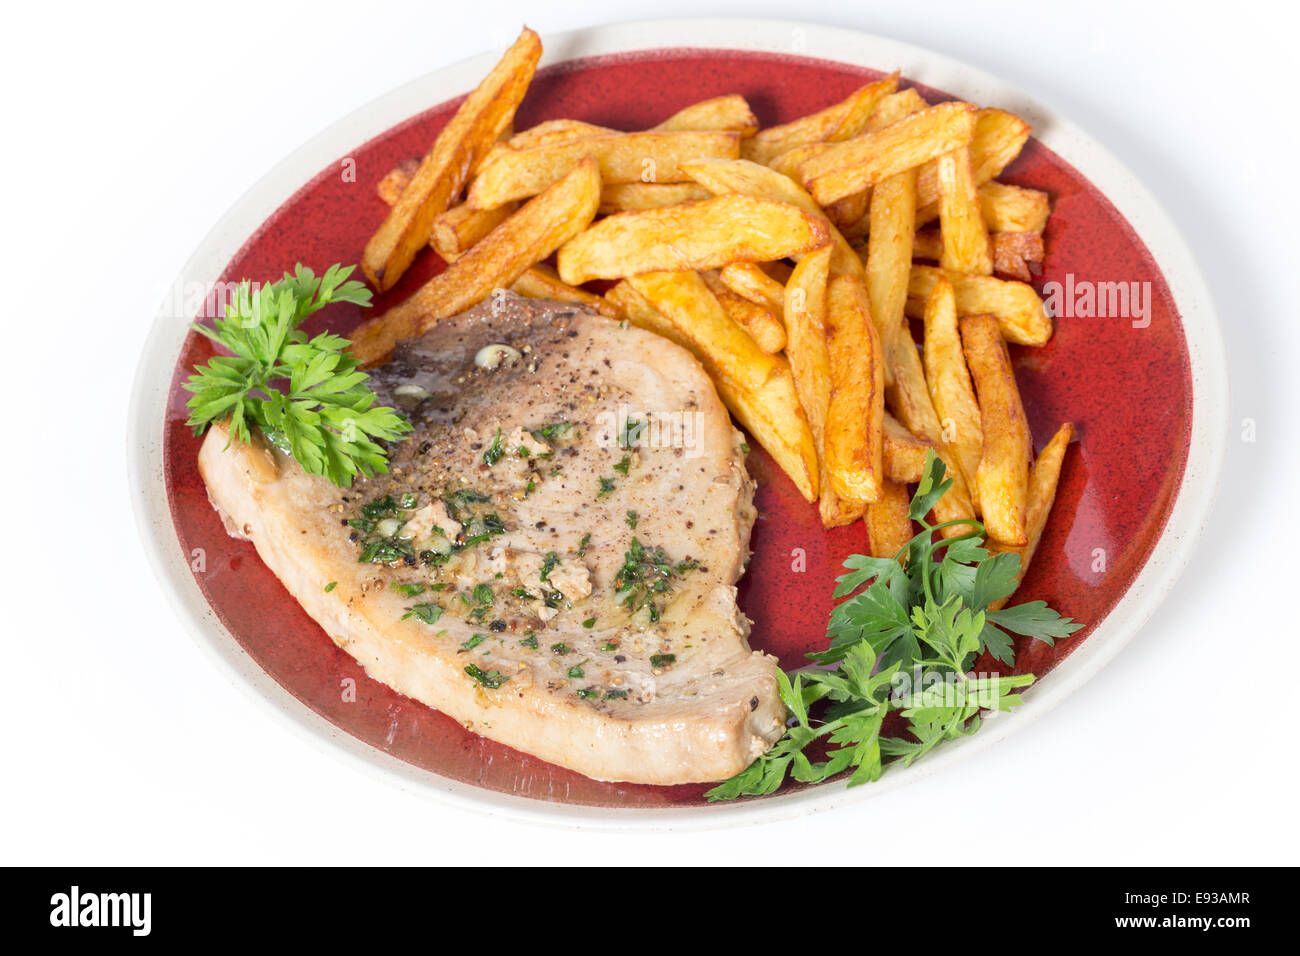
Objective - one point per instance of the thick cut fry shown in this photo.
(1003, 474)
(1043, 478)
(805, 310)
(684, 299)
(767, 331)
(743, 178)
(749, 280)
(701, 235)
(889, 262)
(625, 197)
(542, 282)
(1014, 253)
(1017, 254)
(523, 240)
(1013, 208)
(965, 238)
(950, 385)
(837, 122)
(395, 180)
(854, 417)
(905, 454)
(771, 415)
(623, 158)
(997, 140)
(859, 163)
(1017, 307)
(553, 132)
(722, 112)
(484, 115)
(455, 231)
(889, 526)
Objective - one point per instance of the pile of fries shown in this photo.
(786, 260)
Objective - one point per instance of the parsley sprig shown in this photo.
(903, 640)
(307, 396)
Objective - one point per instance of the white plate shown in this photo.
(1169, 556)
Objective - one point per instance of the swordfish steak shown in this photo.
(552, 558)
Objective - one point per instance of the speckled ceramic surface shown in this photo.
(1129, 390)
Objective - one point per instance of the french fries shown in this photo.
(523, 240)
(627, 197)
(685, 300)
(455, 155)
(904, 453)
(770, 413)
(950, 386)
(1043, 479)
(1017, 307)
(859, 163)
(622, 157)
(837, 122)
(702, 235)
(965, 238)
(854, 416)
(730, 113)
(998, 138)
(749, 280)
(765, 328)
(1002, 477)
(732, 241)
(804, 306)
(889, 525)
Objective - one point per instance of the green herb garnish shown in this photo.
(426, 612)
(903, 640)
(489, 679)
(308, 396)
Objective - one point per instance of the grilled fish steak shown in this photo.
(552, 558)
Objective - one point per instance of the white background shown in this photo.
(129, 129)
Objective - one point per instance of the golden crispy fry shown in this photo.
(1018, 308)
(749, 280)
(722, 112)
(741, 177)
(484, 115)
(771, 414)
(701, 235)
(461, 227)
(626, 197)
(837, 122)
(623, 158)
(854, 417)
(773, 417)
(497, 261)
(684, 299)
(1003, 473)
(859, 163)
(999, 137)
(554, 132)
(1043, 478)
(766, 328)
(889, 261)
(965, 238)
(904, 455)
(950, 385)
(1013, 208)
(889, 527)
(542, 282)
(805, 310)
(395, 180)
(1013, 252)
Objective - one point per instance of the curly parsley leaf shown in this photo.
(306, 395)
